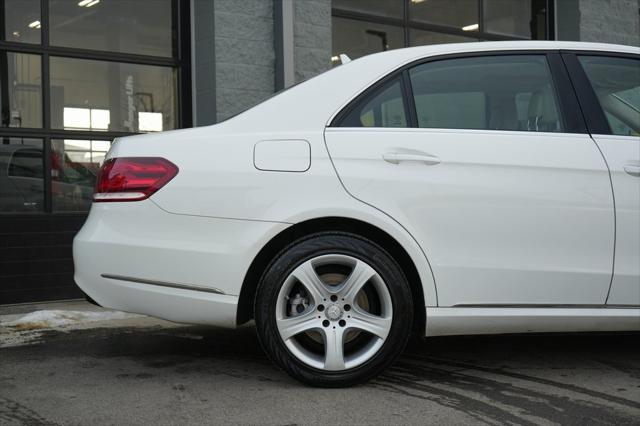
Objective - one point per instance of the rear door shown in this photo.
(485, 161)
(609, 91)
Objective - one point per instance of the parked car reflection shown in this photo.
(22, 180)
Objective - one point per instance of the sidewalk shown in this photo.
(25, 324)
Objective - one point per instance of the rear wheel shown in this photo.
(333, 310)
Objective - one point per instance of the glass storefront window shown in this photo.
(359, 38)
(114, 96)
(125, 26)
(419, 38)
(74, 167)
(21, 21)
(508, 17)
(432, 22)
(20, 90)
(392, 8)
(21, 175)
(461, 14)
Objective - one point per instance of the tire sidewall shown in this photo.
(317, 245)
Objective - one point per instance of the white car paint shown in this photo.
(623, 157)
(282, 156)
(204, 228)
(497, 217)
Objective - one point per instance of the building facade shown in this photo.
(74, 74)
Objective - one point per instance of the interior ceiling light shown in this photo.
(35, 24)
(88, 3)
(472, 27)
(417, 1)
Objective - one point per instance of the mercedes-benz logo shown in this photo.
(333, 312)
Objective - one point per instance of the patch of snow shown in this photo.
(60, 318)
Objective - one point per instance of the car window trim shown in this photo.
(370, 93)
(409, 100)
(597, 123)
(571, 114)
(592, 111)
(573, 120)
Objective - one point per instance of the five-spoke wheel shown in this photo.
(333, 309)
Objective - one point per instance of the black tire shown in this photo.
(333, 243)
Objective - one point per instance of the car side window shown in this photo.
(384, 107)
(505, 92)
(616, 82)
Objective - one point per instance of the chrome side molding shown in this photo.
(163, 283)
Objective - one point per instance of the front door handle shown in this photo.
(632, 169)
(397, 157)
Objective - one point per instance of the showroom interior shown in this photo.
(75, 74)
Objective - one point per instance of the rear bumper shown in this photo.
(136, 257)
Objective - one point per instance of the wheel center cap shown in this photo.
(333, 312)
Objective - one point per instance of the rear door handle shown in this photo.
(397, 157)
(632, 169)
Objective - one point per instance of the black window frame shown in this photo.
(407, 23)
(569, 108)
(181, 62)
(591, 110)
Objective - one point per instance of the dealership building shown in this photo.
(75, 74)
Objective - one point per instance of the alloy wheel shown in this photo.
(331, 323)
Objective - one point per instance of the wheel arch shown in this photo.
(354, 226)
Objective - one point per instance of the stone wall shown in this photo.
(234, 53)
(234, 56)
(602, 21)
(312, 38)
(245, 54)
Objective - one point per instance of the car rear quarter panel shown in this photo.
(218, 179)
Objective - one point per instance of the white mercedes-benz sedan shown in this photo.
(451, 189)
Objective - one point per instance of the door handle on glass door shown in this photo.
(632, 169)
(397, 157)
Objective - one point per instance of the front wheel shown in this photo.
(333, 310)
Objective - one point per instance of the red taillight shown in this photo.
(132, 178)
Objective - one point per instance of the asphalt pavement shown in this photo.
(139, 370)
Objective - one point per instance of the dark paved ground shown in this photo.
(195, 375)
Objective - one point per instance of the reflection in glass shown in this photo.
(143, 27)
(21, 21)
(74, 167)
(513, 18)
(491, 92)
(358, 38)
(385, 109)
(616, 82)
(462, 14)
(391, 8)
(98, 95)
(419, 38)
(20, 90)
(150, 121)
(21, 175)
(86, 119)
